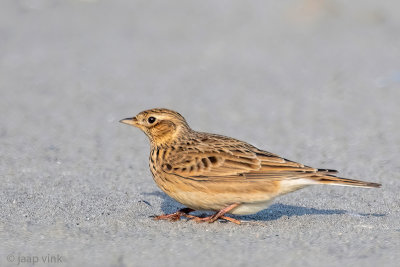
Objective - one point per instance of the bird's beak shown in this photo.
(130, 121)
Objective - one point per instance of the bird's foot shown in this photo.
(219, 215)
(176, 216)
(212, 218)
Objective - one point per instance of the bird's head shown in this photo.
(161, 125)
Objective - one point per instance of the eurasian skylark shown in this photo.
(206, 171)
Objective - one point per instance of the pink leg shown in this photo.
(219, 215)
(175, 216)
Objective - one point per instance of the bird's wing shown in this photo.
(234, 161)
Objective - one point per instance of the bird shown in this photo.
(211, 172)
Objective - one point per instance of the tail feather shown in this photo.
(333, 180)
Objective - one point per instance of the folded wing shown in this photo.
(234, 160)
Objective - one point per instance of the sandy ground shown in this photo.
(315, 81)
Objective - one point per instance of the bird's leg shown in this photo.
(176, 216)
(230, 219)
(220, 215)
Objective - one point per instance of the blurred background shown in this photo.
(316, 81)
(315, 68)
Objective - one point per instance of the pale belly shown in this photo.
(216, 202)
(251, 208)
(252, 197)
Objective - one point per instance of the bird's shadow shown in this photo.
(273, 212)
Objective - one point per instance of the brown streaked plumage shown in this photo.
(206, 171)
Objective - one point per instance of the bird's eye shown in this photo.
(151, 120)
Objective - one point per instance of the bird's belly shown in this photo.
(251, 208)
(216, 202)
(216, 196)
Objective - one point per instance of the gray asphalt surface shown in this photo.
(315, 81)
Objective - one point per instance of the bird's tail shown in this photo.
(333, 180)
